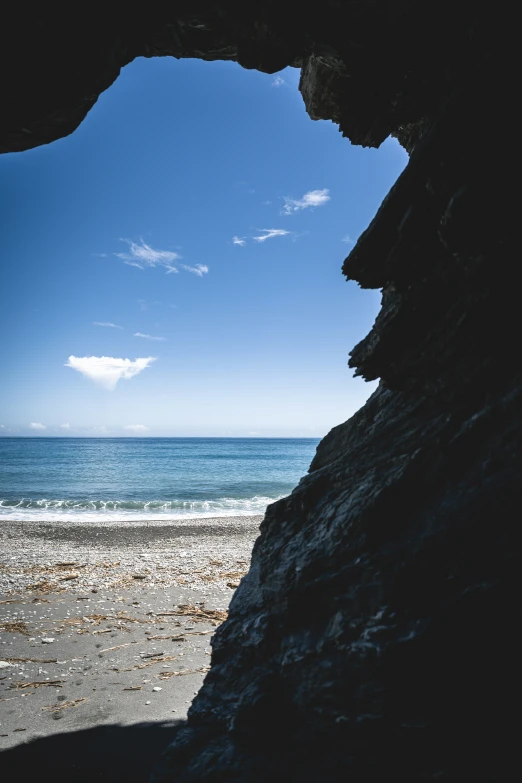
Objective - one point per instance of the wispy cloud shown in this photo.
(107, 323)
(142, 255)
(268, 233)
(347, 238)
(149, 336)
(136, 427)
(65, 426)
(277, 81)
(107, 370)
(146, 305)
(37, 425)
(199, 269)
(238, 241)
(314, 198)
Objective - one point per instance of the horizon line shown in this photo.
(159, 437)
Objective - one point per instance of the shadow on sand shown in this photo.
(112, 754)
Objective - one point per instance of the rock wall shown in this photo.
(375, 636)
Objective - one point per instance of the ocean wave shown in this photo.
(120, 510)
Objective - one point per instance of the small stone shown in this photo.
(47, 640)
(4, 664)
(147, 702)
(156, 688)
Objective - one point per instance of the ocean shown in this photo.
(135, 479)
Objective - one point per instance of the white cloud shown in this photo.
(107, 370)
(36, 425)
(142, 255)
(238, 241)
(2, 426)
(107, 323)
(347, 238)
(149, 336)
(268, 233)
(277, 81)
(314, 198)
(199, 269)
(65, 426)
(136, 427)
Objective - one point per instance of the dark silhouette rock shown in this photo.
(374, 636)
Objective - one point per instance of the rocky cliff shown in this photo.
(375, 634)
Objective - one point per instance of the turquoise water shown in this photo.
(112, 479)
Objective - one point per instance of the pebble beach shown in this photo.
(111, 625)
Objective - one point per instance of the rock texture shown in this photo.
(375, 636)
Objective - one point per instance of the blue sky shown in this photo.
(198, 205)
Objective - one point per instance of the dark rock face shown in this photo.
(374, 637)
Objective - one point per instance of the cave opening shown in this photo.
(207, 164)
(199, 212)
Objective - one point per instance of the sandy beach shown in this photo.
(109, 626)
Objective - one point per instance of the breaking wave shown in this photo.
(115, 510)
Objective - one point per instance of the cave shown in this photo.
(375, 633)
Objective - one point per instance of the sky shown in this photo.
(173, 268)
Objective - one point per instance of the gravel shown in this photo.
(82, 641)
(43, 557)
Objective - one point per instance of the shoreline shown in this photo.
(121, 516)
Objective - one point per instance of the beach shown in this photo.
(106, 625)
(118, 560)
(183, 552)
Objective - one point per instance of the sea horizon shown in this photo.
(160, 437)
